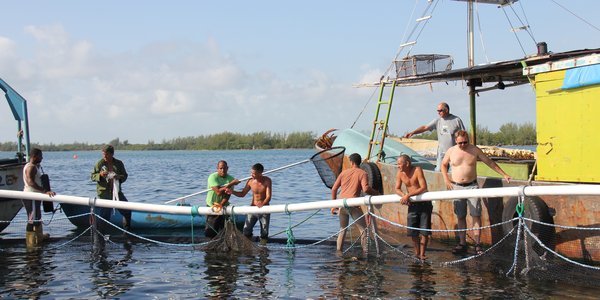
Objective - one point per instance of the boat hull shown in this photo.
(11, 178)
(79, 216)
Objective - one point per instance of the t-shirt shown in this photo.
(352, 182)
(446, 127)
(215, 180)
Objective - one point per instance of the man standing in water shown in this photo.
(109, 173)
(220, 184)
(32, 173)
(463, 160)
(352, 181)
(261, 196)
(419, 213)
(446, 125)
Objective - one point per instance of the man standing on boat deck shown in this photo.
(419, 213)
(352, 181)
(261, 196)
(109, 173)
(446, 125)
(220, 184)
(463, 159)
(32, 177)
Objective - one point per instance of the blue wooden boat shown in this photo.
(79, 216)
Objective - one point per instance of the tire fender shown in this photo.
(535, 209)
(373, 176)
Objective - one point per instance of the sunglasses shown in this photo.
(440, 110)
(462, 143)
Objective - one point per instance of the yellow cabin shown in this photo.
(568, 119)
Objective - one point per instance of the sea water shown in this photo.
(73, 267)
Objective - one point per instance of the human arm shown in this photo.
(334, 190)
(492, 164)
(399, 191)
(243, 192)
(98, 172)
(444, 168)
(419, 129)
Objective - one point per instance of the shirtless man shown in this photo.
(261, 196)
(419, 213)
(463, 159)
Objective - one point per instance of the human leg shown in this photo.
(344, 217)
(357, 214)
(264, 219)
(212, 226)
(460, 209)
(249, 225)
(125, 213)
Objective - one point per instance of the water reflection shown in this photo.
(221, 274)
(25, 274)
(423, 285)
(110, 277)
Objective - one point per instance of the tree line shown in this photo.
(508, 134)
(219, 141)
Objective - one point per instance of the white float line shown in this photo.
(575, 189)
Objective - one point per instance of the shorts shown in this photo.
(419, 216)
(460, 205)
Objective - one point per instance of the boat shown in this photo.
(567, 86)
(79, 216)
(11, 168)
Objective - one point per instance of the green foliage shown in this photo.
(509, 134)
(219, 141)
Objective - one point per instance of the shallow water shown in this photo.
(120, 269)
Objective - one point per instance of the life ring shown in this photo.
(373, 176)
(536, 209)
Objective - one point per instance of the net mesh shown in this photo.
(423, 64)
(230, 239)
(329, 164)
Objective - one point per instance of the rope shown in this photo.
(298, 224)
(291, 240)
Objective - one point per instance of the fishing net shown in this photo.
(329, 164)
(230, 239)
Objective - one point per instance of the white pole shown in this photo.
(243, 179)
(574, 189)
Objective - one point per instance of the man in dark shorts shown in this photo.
(419, 213)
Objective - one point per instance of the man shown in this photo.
(419, 213)
(463, 159)
(220, 184)
(261, 196)
(446, 125)
(109, 173)
(352, 181)
(32, 173)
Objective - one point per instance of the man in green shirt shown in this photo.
(109, 173)
(220, 184)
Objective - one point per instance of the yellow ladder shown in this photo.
(380, 126)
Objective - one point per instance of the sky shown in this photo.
(142, 71)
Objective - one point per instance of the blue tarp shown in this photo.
(582, 76)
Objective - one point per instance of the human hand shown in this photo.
(508, 178)
(408, 135)
(405, 200)
(51, 193)
(334, 210)
(449, 185)
(216, 207)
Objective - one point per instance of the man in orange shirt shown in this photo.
(352, 181)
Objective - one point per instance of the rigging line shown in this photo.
(417, 25)
(516, 36)
(481, 33)
(525, 16)
(526, 25)
(364, 107)
(427, 21)
(580, 18)
(406, 28)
